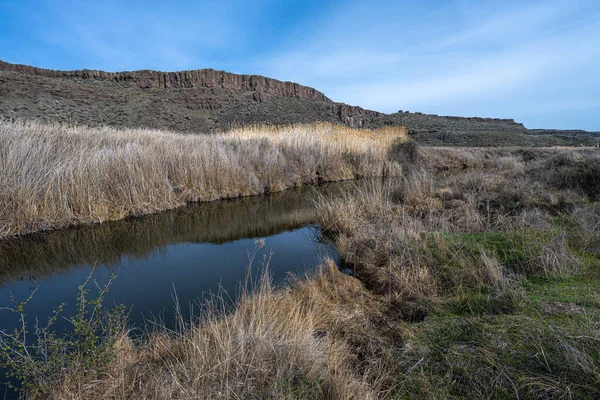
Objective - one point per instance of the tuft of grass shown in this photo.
(274, 344)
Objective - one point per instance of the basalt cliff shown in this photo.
(203, 78)
(208, 100)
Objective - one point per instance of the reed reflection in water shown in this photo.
(44, 254)
(191, 251)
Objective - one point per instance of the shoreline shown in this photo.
(55, 177)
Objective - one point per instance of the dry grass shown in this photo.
(457, 238)
(271, 346)
(55, 176)
(451, 265)
(339, 138)
(416, 239)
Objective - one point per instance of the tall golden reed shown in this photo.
(52, 176)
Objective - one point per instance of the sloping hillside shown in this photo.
(207, 100)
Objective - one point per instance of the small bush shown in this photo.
(405, 152)
(43, 361)
(582, 175)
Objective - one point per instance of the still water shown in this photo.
(189, 252)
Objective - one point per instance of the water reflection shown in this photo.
(44, 254)
(191, 251)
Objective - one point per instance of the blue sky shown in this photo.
(535, 61)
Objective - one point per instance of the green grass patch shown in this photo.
(538, 339)
(582, 289)
(484, 301)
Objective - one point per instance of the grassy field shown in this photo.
(488, 263)
(529, 138)
(54, 176)
(478, 277)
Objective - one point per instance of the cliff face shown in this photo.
(418, 123)
(206, 78)
(202, 101)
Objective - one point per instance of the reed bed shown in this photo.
(470, 282)
(268, 348)
(339, 138)
(53, 176)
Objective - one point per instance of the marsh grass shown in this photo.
(54, 176)
(271, 345)
(473, 238)
(475, 277)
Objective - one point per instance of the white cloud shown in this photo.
(499, 53)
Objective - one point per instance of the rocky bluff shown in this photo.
(207, 78)
(202, 100)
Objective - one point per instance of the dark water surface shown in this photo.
(191, 251)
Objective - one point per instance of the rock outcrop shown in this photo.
(563, 132)
(208, 100)
(206, 78)
(430, 123)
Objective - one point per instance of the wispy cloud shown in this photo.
(483, 54)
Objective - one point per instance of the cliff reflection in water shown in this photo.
(43, 254)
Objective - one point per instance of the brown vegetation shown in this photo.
(269, 347)
(55, 176)
(453, 271)
(461, 245)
